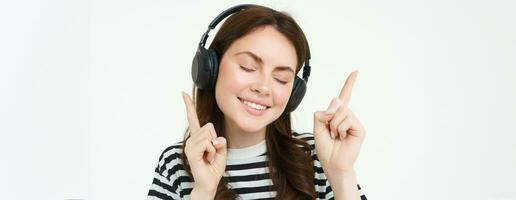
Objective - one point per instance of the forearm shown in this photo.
(344, 185)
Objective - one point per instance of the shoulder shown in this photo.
(169, 174)
(305, 136)
(170, 160)
(309, 139)
(321, 184)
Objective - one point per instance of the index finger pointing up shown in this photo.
(193, 120)
(345, 93)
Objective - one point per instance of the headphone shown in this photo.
(205, 64)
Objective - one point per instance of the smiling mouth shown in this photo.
(253, 105)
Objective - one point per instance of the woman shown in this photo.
(239, 143)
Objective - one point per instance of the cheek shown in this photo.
(230, 80)
(281, 96)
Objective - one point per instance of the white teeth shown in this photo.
(254, 105)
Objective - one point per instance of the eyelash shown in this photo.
(251, 70)
(281, 82)
(246, 69)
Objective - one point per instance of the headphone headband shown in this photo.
(226, 13)
(237, 8)
(219, 18)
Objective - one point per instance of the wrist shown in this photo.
(344, 184)
(338, 178)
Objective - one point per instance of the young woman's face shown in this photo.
(255, 79)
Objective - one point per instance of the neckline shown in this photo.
(247, 152)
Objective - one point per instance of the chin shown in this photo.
(251, 126)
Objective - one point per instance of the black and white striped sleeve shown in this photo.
(165, 184)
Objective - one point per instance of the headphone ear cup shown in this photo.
(214, 66)
(298, 92)
(204, 68)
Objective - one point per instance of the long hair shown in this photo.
(289, 162)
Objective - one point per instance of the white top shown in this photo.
(247, 152)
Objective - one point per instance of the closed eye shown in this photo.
(282, 82)
(251, 70)
(246, 69)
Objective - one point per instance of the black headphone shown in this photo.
(205, 65)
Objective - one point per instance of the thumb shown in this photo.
(220, 145)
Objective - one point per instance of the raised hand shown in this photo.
(338, 133)
(206, 153)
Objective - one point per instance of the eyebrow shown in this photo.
(260, 61)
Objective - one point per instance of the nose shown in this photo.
(261, 86)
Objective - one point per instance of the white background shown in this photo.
(90, 92)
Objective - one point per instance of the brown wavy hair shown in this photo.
(291, 167)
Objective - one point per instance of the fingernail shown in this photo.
(215, 141)
(211, 161)
(332, 134)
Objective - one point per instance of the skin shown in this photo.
(338, 133)
(255, 67)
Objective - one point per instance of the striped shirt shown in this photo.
(246, 171)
